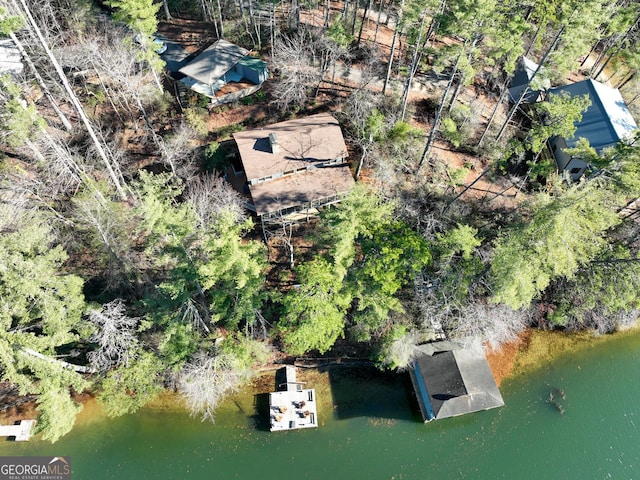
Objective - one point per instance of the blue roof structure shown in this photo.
(608, 119)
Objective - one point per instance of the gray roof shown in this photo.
(608, 119)
(525, 70)
(452, 380)
(10, 58)
(214, 62)
(174, 56)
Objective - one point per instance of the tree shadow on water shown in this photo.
(262, 418)
(368, 392)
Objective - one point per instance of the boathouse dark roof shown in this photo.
(452, 380)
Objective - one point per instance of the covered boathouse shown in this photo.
(451, 380)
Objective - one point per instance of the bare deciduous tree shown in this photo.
(293, 60)
(115, 177)
(179, 153)
(206, 380)
(210, 195)
(115, 336)
(493, 324)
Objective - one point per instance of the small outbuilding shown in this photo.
(451, 379)
(524, 73)
(606, 122)
(224, 72)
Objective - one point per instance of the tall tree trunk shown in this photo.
(621, 42)
(375, 35)
(355, 17)
(327, 13)
(533, 41)
(525, 90)
(76, 103)
(417, 53)
(627, 80)
(272, 25)
(255, 25)
(43, 86)
(468, 187)
(436, 120)
(220, 18)
(593, 49)
(363, 155)
(396, 31)
(364, 20)
(167, 14)
(412, 68)
(503, 93)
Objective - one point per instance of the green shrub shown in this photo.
(197, 118)
(450, 131)
(214, 157)
(458, 175)
(224, 133)
(401, 131)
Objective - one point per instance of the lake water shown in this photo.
(370, 429)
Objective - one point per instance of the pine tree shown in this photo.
(40, 312)
(140, 15)
(564, 234)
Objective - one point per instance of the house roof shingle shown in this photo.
(302, 142)
(301, 189)
(214, 61)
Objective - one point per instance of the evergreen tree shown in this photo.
(564, 234)
(140, 15)
(19, 121)
(390, 260)
(131, 385)
(40, 312)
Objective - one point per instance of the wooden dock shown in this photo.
(21, 431)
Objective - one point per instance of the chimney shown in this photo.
(273, 141)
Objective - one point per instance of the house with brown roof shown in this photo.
(295, 166)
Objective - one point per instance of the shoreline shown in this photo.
(532, 350)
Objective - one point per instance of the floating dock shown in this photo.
(21, 431)
(291, 407)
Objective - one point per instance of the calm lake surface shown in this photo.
(371, 430)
